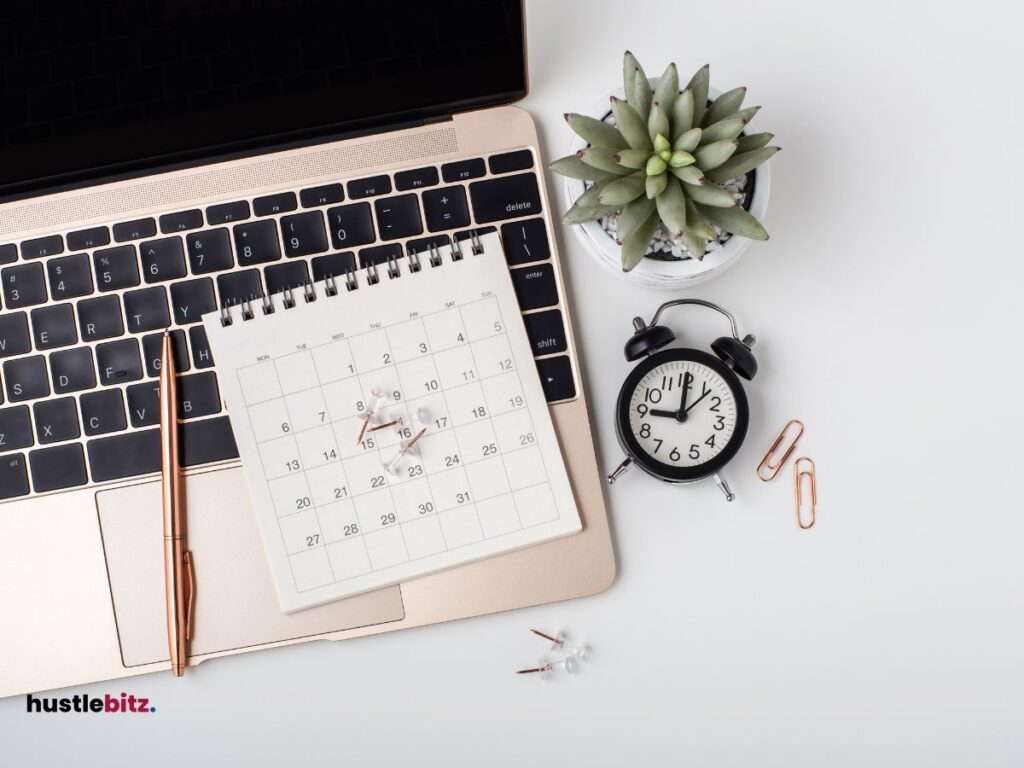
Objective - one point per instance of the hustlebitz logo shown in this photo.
(125, 704)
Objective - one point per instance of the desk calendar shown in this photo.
(391, 423)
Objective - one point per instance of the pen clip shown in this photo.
(190, 599)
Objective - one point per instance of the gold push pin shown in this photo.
(547, 668)
(559, 643)
(378, 400)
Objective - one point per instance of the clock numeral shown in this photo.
(652, 395)
(704, 389)
(666, 383)
(720, 425)
(674, 454)
(658, 446)
(717, 401)
(645, 430)
(710, 442)
(642, 409)
(695, 452)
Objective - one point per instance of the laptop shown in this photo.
(143, 148)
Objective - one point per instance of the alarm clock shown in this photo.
(682, 413)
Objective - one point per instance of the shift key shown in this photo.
(507, 197)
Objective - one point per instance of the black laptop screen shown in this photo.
(98, 88)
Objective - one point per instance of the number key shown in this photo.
(23, 285)
(70, 276)
(256, 243)
(209, 251)
(304, 234)
(116, 267)
(351, 225)
(163, 260)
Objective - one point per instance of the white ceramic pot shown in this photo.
(654, 273)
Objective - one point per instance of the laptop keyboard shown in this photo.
(83, 312)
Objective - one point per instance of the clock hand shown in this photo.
(658, 412)
(699, 399)
(687, 383)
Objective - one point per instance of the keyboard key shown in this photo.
(181, 222)
(72, 370)
(162, 260)
(201, 354)
(329, 194)
(144, 404)
(507, 162)
(62, 466)
(118, 362)
(87, 239)
(256, 243)
(351, 225)
(128, 455)
(70, 276)
(56, 420)
(525, 241)
(507, 197)
(398, 217)
(191, 299)
(227, 213)
(271, 204)
(445, 208)
(13, 476)
(280, 277)
(380, 254)
(556, 378)
(546, 332)
(463, 169)
(14, 338)
(198, 395)
(236, 287)
(422, 245)
(103, 412)
(116, 267)
(146, 309)
(375, 185)
(8, 253)
(134, 230)
(100, 318)
(333, 265)
(42, 246)
(54, 326)
(15, 428)
(418, 178)
(26, 378)
(24, 285)
(304, 234)
(209, 251)
(153, 352)
(205, 441)
(535, 286)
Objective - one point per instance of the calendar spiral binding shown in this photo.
(351, 280)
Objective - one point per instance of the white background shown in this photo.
(888, 307)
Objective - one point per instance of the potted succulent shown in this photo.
(667, 186)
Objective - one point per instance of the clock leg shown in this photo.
(620, 470)
(724, 487)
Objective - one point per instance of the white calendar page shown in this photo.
(345, 504)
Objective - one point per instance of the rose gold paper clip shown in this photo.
(799, 475)
(770, 465)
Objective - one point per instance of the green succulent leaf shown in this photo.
(668, 88)
(581, 214)
(740, 164)
(657, 124)
(672, 206)
(622, 191)
(656, 166)
(754, 141)
(635, 245)
(724, 106)
(697, 246)
(696, 224)
(632, 158)
(735, 220)
(630, 66)
(681, 159)
(655, 185)
(642, 94)
(699, 84)
(596, 132)
(603, 159)
(726, 129)
(682, 114)
(575, 168)
(691, 174)
(713, 155)
(661, 144)
(709, 194)
(591, 196)
(633, 215)
(688, 140)
(631, 125)
(748, 113)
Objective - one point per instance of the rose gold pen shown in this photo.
(179, 575)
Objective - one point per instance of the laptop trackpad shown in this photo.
(236, 604)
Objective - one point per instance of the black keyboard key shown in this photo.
(445, 208)
(26, 378)
(380, 254)
(206, 441)
(227, 213)
(422, 245)
(116, 267)
(462, 237)
(398, 217)
(118, 362)
(462, 170)
(103, 412)
(146, 309)
(236, 287)
(198, 395)
(56, 420)
(351, 225)
(508, 162)
(15, 428)
(556, 378)
(87, 239)
(304, 234)
(153, 348)
(62, 466)
(507, 197)
(14, 338)
(42, 246)
(134, 230)
(72, 370)
(8, 253)
(525, 241)
(328, 194)
(191, 299)
(418, 178)
(282, 202)
(201, 354)
(144, 404)
(70, 276)
(333, 265)
(375, 185)
(209, 251)
(256, 243)
(546, 332)
(100, 318)
(162, 260)
(24, 285)
(535, 286)
(280, 277)
(181, 222)
(135, 453)
(54, 326)
(13, 476)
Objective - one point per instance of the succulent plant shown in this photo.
(666, 161)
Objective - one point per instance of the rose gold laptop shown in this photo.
(145, 150)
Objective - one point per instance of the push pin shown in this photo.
(547, 668)
(378, 400)
(559, 643)
(421, 419)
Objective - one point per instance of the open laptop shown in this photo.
(143, 147)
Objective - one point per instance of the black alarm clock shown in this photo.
(682, 413)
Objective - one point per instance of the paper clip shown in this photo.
(799, 474)
(767, 461)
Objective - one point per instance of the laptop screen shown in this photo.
(99, 88)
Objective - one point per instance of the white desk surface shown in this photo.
(888, 309)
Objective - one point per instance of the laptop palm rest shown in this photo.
(236, 605)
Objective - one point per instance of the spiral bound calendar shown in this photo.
(391, 423)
